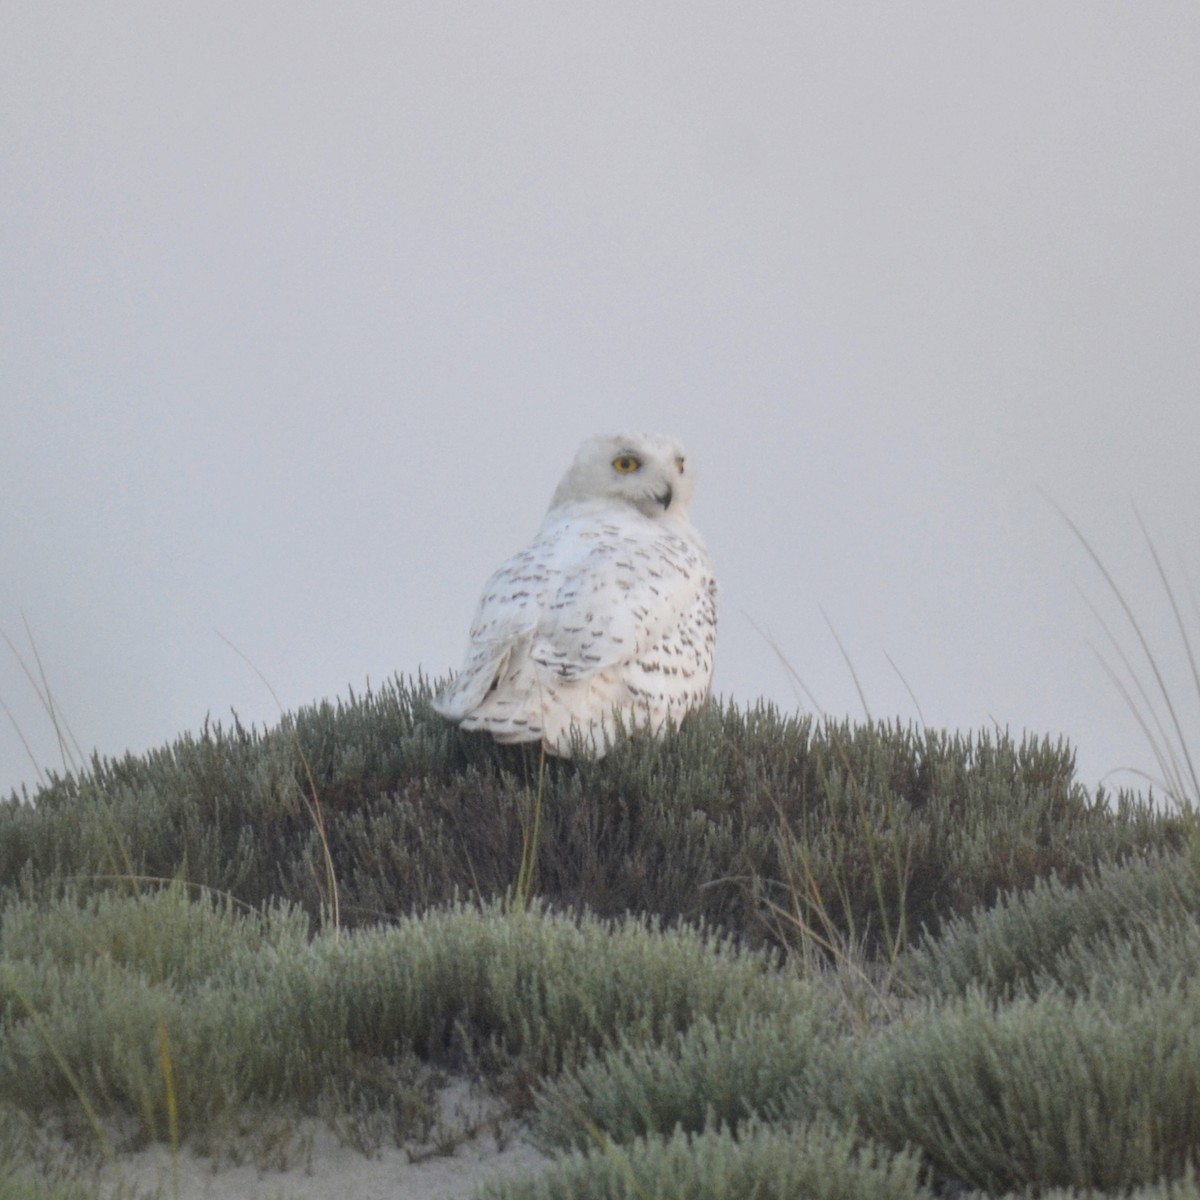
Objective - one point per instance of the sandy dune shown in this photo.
(314, 1164)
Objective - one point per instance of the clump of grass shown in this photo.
(709, 1076)
(1131, 924)
(1185, 1188)
(886, 829)
(818, 1162)
(384, 1103)
(277, 1017)
(1053, 1091)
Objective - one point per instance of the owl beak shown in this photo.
(664, 498)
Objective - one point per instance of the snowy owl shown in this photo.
(606, 619)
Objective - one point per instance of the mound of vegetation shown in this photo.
(762, 957)
(749, 821)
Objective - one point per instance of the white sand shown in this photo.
(318, 1167)
(332, 1173)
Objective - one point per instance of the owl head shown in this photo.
(648, 471)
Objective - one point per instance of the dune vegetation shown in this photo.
(767, 956)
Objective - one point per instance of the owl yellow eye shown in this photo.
(626, 464)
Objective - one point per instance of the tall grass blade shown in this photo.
(1174, 756)
(312, 800)
(71, 760)
(862, 696)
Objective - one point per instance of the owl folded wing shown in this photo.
(618, 603)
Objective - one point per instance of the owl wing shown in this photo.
(585, 596)
(506, 615)
(616, 597)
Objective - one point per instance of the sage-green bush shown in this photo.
(1135, 922)
(711, 1075)
(759, 950)
(1052, 1091)
(1184, 1188)
(762, 1163)
(277, 1016)
(893, 828)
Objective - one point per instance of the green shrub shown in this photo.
(278, 1017)
(1185, 1188)
(749, 821)
(1131, 923)
(708, 1076)
(817, 1163)
(161, 933)
(170, 917)
(1052, 1091)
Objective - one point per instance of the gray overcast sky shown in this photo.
(304, 308)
